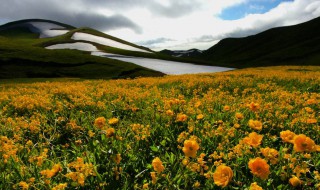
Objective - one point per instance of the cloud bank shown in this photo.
(161, 24)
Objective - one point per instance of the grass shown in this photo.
(24, 58)
(172, 132)
(23, 55)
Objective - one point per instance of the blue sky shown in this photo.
(250, 7)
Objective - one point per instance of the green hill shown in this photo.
(291, 45)
(22, 55)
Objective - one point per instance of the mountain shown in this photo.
(26, 51)
(182, 53)
(290, 45)
(34, 28)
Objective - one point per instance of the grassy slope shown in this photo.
(155, 55)
(293, 45)
(21, 56)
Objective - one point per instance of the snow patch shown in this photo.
(187, 51)
(52, 33)
(105, 41)
(47, 29)
(167, 67)
(78, 46)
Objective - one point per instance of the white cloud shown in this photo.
(184, 24)
(188, 30)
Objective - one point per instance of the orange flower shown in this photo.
(287, 136)
(294, 181)
(222, 176)
(169, 112)
(255, 186)
(200, 116)
(253, 139)
(60, 186)
(145, 186)
(100, 122)
(302, 143)
(226, 108)
(24, 185)
(113, 121)
(255, 124)
(157, 165)
(271, 154)
(117, 158)
(239, 116)
(311, 121)
(190, 148)
(182, 117)
(50, 173)
(254, 106)
(259, 167)
(308, 109)
(153, 177)
(109, 132)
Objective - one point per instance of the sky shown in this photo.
(167, 24)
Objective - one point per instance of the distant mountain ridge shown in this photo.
(291, 45)
(182, 53)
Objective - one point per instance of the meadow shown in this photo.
(255, 128)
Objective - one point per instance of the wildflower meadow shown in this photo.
(248, 129)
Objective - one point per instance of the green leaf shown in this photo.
(154, 149)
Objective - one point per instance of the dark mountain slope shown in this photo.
(23, 28)
(291, 45)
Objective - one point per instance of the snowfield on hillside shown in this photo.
(105, 41)
(47, 29)
(166, 67)
(78, 46)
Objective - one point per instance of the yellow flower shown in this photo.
(302, 143)
(259, 167)
(294, 181)
(145, 186)
(253, 139)
(91, 134)
(308, 109)
(190, 148)
(239, 116)
(169, 112)
(60, 186)
(255, 186)
(196, 184)
(222, 176)
(118, 158)
(226, 108)
(311, 121)
(153, 177)
(100, 122)
(50, 173)
(109, 132)
(200, 116)
(181, 117)
(157, 165)
(287, 136)
(254, 106)
(24, 185)
(271, 154)
(255, 124)
(236, 125)
(113, 121)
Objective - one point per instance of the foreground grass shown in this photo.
(175, 132)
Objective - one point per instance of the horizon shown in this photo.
(158, 25)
